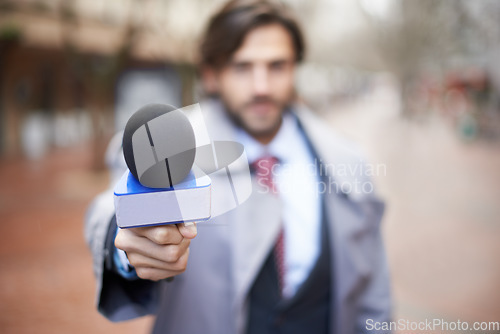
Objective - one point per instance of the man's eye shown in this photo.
(241, 67)
(278, 66)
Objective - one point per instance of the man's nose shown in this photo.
(261, 81)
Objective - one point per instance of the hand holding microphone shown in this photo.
(159, 149)
(157, 252)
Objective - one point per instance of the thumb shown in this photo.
(188, 230)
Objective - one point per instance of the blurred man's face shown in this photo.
(258, 82)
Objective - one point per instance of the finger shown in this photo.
(125, 238)
(161, 235)
(156, 274)
(145, 247)
(166, 254)
(139, 260)
(188, 230)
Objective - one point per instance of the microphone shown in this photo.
(159, 145)
(161, 186)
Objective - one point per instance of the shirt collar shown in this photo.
(281, 146)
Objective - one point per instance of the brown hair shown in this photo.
(228, 28)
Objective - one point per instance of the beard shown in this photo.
(257, 125)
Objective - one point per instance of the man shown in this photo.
(302, 255)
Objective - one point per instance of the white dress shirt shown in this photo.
(297, 182)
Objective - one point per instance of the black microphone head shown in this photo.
(159, 145)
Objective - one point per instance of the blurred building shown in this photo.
(60, 62)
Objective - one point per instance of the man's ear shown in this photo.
(209, 80)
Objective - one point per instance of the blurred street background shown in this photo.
(416, 83)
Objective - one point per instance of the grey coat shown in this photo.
(225, 257)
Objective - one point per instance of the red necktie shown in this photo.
(264, 171)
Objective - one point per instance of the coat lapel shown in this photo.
(347, 219)
(254, 228)
(348, 268)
